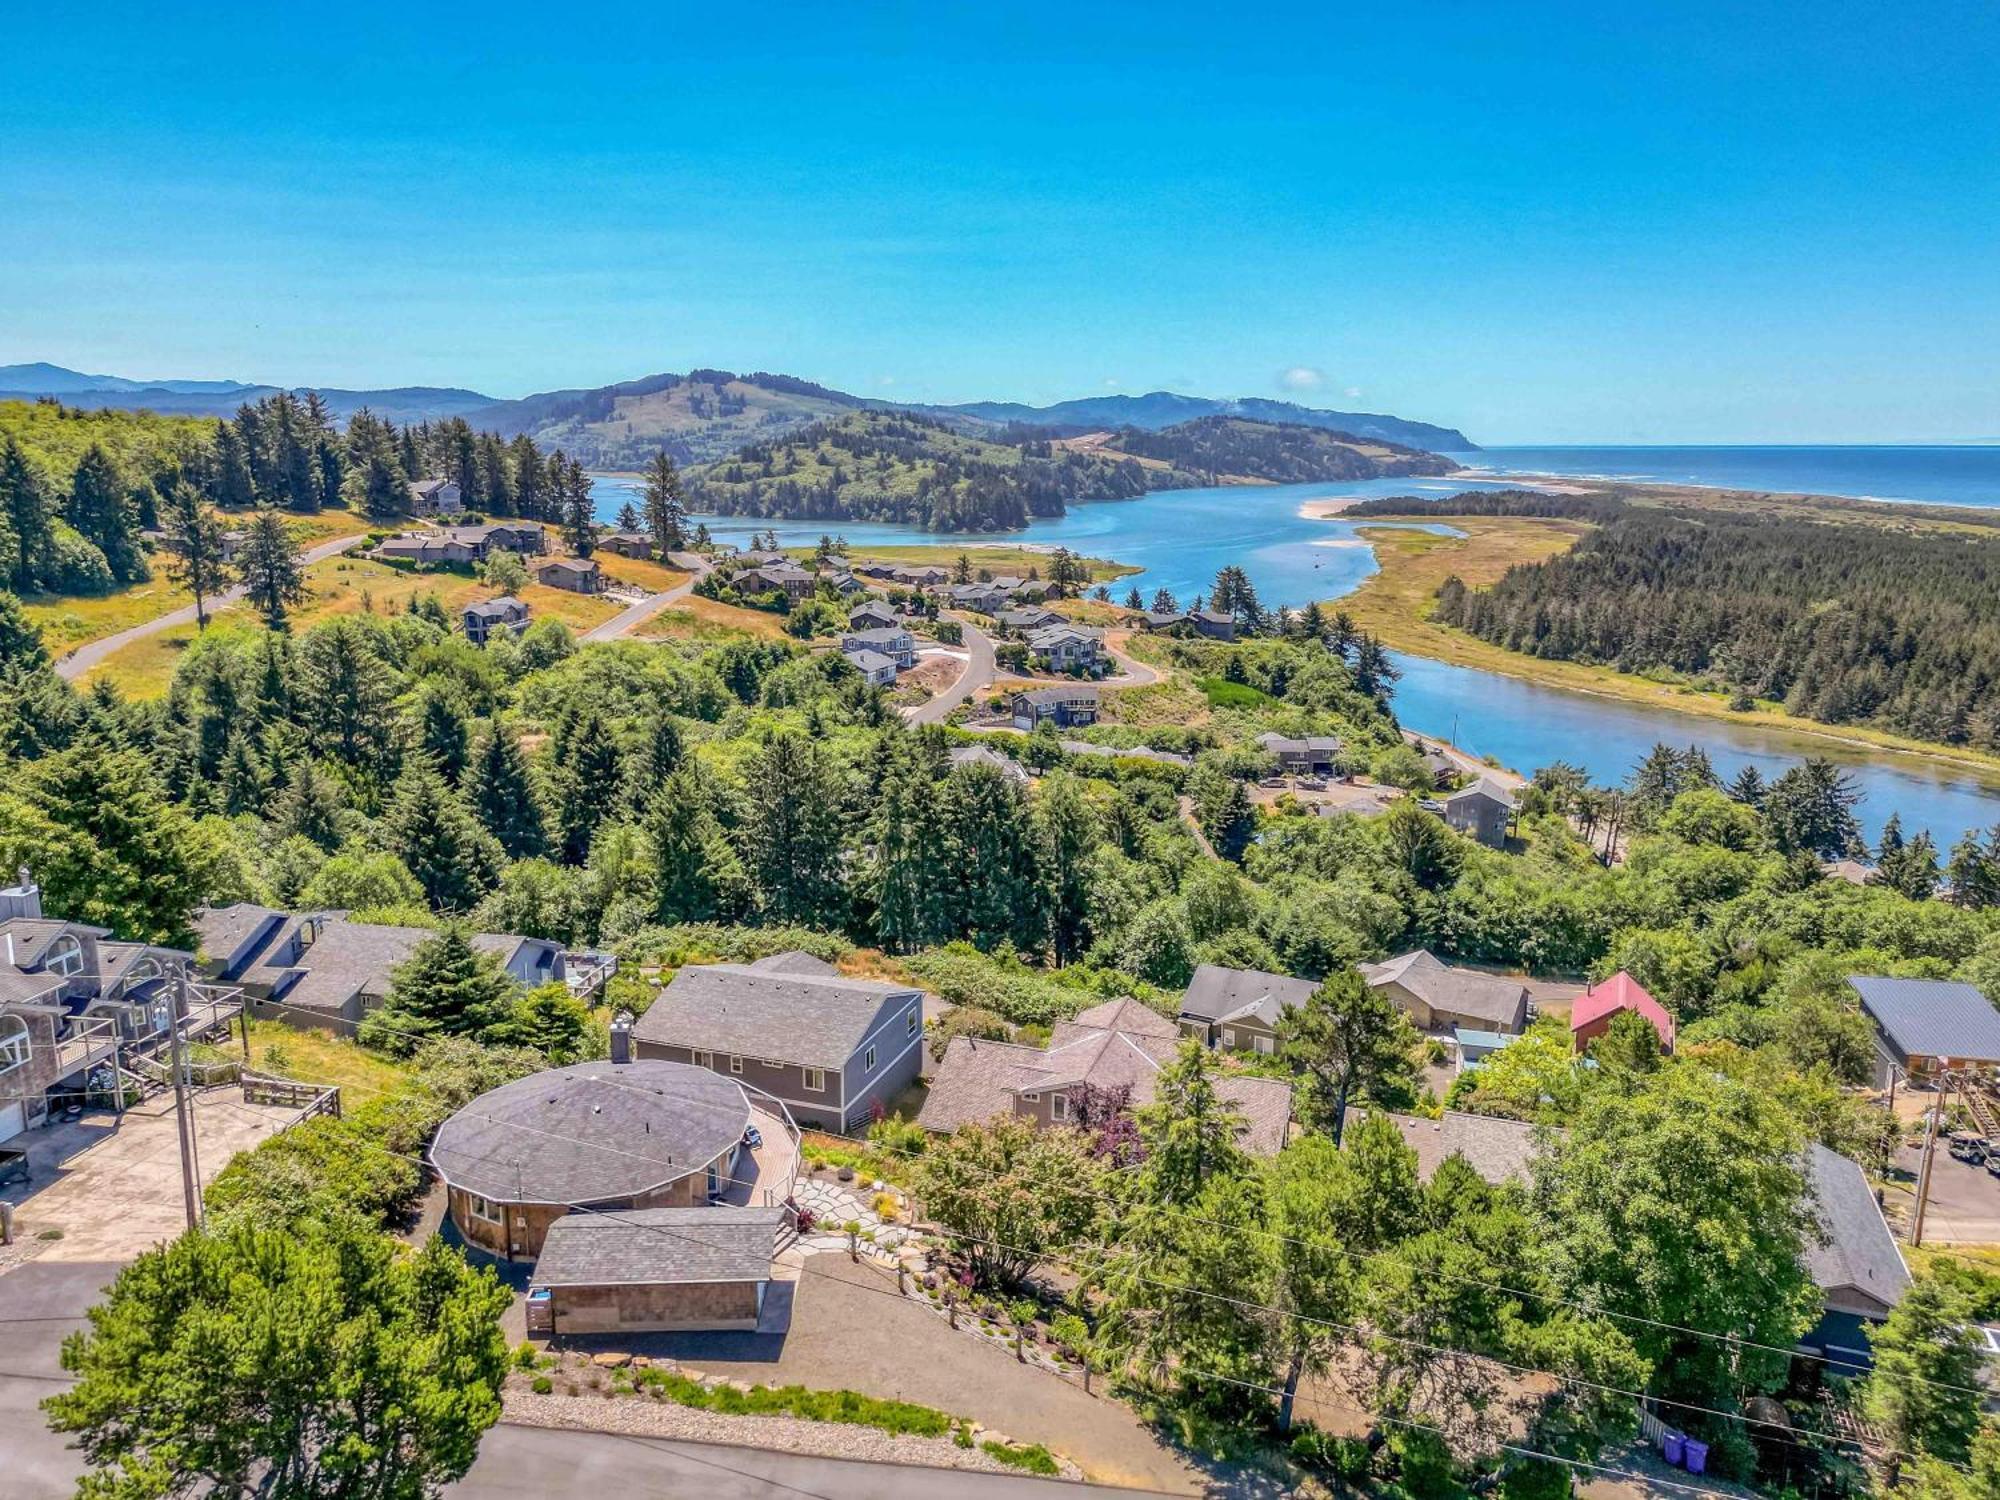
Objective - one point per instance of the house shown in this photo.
(1498, 1150)
(1159, 620)
(1855, 1263)
(1314, 755)
(1474, 1046)
(484, 619)
(474, 543)
(1853, 871)
(1923, 1026)
(429, 549)
(982, 755)
(1213, 624)
(830, 1048)
(844, 583)
(230, 546)
(608, 1135)
(981, 598)
(626, 543)
(873, 615)
(1113, 1051)
(1439, 998)
(892, 641)
(1067, 707)
(74, 1000)
(1066, 648)
(1029, 617)
(781, 577)
(1240, 1008)
(927, 576)
(876, 669)
(321, 970)
(1590, 1016)
(1482, 810)
(758, 557)
(580, 575)
(1030, 589)
(655, 1270)
(435, 497)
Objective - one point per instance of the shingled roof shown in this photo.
(659, 1246)
(746, 1010)
(1462, 992)
(591, 1131)
(1858, 1254)
(1219, 994)
(1498, 1150)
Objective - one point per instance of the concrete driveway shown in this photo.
(1964, 1204)
(108, 1188)
(978, 672)
(39, 1305)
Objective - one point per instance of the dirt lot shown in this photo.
(1964, 1202)
(107, 1188)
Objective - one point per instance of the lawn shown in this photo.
(708, 620)
(316, 1057)
(653, 577)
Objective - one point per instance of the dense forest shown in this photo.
(890, 466)
(1845, 622)
(79, 487)
(1219, 447)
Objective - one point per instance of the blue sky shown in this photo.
(1538, 222)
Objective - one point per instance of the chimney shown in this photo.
(621, 1037)
(21, 899)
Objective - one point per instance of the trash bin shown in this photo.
(1670, 1448)
(1696, 1455)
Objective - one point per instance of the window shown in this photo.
(704, 1060)
(484, 1209)
(1032, 1098)
(815, 1080)
(1261, 1044)
(65, 957)
(13, 1044)
(1059, 1106)
(868, 1062)
(1229, 1036)
(910, 1022)
(736, 1065)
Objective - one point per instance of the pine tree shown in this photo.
(194, 547)
(100, 507)
(1069, 839)
(1811, 810)
(659, 755)
(446, 987)
(1349, 1042)
(502, 793)
(530, 479)
(579, 525)
(230, 483)
(428, 827)
(666, 511)
(685, 837)
(1974, 872)
(27, 539)
(1748, 787)
(310, 807)
(587, 780)
(991, 854)
(21, 648)
(1163, 603)
(792, 834)
(442, 733)
(345, 695)
(913, 877)
(273, 578)
(242, 784)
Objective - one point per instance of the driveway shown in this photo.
(39, 1304)
(1132, 672)
(90, 654)
(633, 616)
(1964, 1207)
(978, 672)
(851, 1331)
(108, 1188)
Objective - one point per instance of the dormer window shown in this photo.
(13, 1042)
(65, 957)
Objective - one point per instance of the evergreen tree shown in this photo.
(21, 648)
(442, 733)
(1134, 600)
(446, 987)
(688, 848)
(792, 834)
(1349, 1041)
(1163, 603)
(242, 784)
(27, 537)
(991, 851)
(1810, 810)
(101, 509)
(1068, 840)
(345, 696)
(1748, 787)
(502, 793)
(1374, 673)
(1188, 1132)
(428, 827)
(194, 546)
(273, 577)
(660, 754)
(1910, 869)
(530, 479)
(1974, 872)
(666, 511)
(579, 525)
(230, 484)
(1222, 806)
(587, 780)
(310, 807)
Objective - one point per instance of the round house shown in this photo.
(600, 1135)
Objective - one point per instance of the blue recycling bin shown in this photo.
(1695, 1454)
(1670, 1448)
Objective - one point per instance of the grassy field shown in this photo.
(1395, 604)
(316, 1057)
(706, 621)
(654, 578)
(70, 621)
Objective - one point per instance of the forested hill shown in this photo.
(893, 466)
(1160, 409)
(1221, 448)
(1893, 626)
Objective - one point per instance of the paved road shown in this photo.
(42, 1301)
(89, 655)
(1134, 673)
(531, 1463)
(979, 672)
(633, 616)
(1471, 765)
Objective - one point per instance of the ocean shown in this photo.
(1933, 474)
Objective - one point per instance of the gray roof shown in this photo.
(1216, 992)
(1059, 694)
(793, 961)
(1484, 790)
(1278, 744)
(224, 929)
(981, 755)
(652, 1246)
(1931, 1017)
(496, 609)
(881, 635)
(1859, 1251)
(591, 1131)
(1498, 1150)
(1463, 992)
(31, 936)
(816, 1020)
(866, 661)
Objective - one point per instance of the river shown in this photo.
(1179, 538)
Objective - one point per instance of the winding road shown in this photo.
(978, 673)
(633, 616)
(91, 653)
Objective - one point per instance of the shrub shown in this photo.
(1032, 1457)
(898, 1137)
(849, 1407)
(543, 1385)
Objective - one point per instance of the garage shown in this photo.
(13, 1120)
(654, 1270)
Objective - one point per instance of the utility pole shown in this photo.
(1924, 1171)
(190, 1186)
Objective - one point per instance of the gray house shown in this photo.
(490, 617)
(435, 497)
(1240, 1008)
(1065, 648)
(321, 970)
(891, 641)
(1066, 707)
(1313, 755)
(1924, 1025)
(872, 615)
(828, 1047)
(876, 669)
(1482, 810)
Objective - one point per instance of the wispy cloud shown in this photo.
(1301, 378)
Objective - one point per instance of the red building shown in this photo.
(1591, 1016)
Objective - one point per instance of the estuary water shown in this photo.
(1179, 538)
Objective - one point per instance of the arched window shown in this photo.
(65, 957)
(13, 1042)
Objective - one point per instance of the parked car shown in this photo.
(1311, 784)
(1966, 1146)
(1993, 1164)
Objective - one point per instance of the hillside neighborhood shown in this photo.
(926, 1007)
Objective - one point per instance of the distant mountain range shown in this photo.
(702, 415)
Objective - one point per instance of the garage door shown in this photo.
(13, 1119)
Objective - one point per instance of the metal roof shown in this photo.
(1931, 1017)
